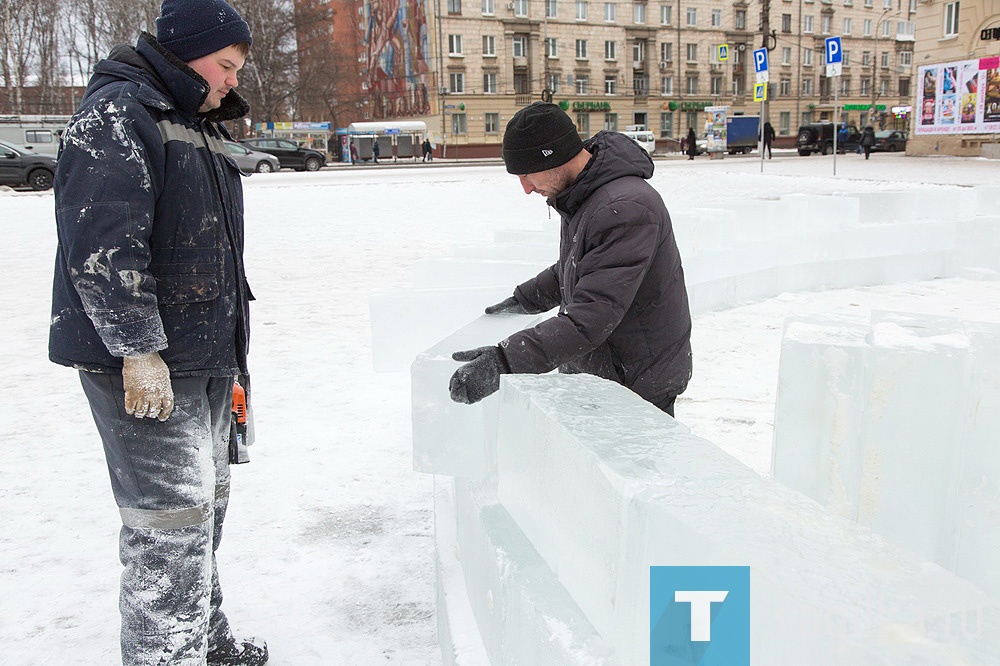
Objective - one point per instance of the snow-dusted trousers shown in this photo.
(171, 484)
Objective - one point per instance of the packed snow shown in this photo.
(328, 548)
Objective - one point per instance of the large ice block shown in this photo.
(605, 485)
(405, 321)
(818, 407)
(448, 437)
(916, 385)
(524, 614)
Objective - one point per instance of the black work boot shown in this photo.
(239, 652)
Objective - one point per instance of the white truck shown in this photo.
(37, 133)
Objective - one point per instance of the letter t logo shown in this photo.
(701, 610)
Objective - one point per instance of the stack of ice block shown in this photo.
(893, 422)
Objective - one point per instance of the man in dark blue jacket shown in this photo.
(150, 303)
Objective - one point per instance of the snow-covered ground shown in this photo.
(328, 549)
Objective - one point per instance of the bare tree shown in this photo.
(269, 78)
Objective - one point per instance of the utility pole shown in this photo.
(875, 57)
(768, 41)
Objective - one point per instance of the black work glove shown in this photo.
(480, 377)
(507, 306)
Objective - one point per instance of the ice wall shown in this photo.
(894, 422)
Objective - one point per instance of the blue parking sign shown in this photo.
(760, 60)
(834, 50)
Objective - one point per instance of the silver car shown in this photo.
(252, 160)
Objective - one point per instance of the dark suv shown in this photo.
(290, 154)
(20, 166)
(818, 138)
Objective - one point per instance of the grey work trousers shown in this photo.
(171, 484)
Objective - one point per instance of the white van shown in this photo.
(644, 138)
(37, 133)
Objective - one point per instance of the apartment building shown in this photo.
(957, 107)
(655, 64)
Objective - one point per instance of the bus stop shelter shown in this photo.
(396, 139)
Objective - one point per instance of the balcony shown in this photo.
(639, 64)
(522, 99)
(520, 62)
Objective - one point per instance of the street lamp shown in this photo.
(878, 25)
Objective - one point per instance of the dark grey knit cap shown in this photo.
(539, 137)
(191, 29)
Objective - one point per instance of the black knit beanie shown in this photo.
(539, 137)
(191, 29)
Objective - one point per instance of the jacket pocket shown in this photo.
(189, 305)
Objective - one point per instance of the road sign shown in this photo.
(723, 52)
(834, 56)
(760, 65)
(449, 106)
(392, 130)
(760, 92)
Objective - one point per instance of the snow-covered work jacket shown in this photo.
(149, 213)
(623, 306)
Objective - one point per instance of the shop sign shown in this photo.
(591, 106)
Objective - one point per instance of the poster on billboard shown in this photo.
(959, 97)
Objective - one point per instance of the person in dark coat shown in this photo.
(768, 138)
(354, 153)
(375, 150)
(692, 144)
(151, 306)
(868, 140)
(619, 283)
(427, 150)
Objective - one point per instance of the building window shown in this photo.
(807, 117)
(906, 58)
(740, 19)
(786, 23)
(786, 55)
(490, 83)
(667, 85)
(583, 124)
(691, 87)
(454, 6)
(847, 58)
(807, 24)
(883, 87)
(489, 7)
(551, 11)
(639, 51)
(807, 57)
(581, 10)
(609, 12)
(491, 122)
(785, 87)
(692, 120)
(904, 87)
(520, 7)
(692, 53)
(847, 26)
(520, 47)
(692, 16)
(666, 15)
(611, 122)
(581, 49)
(666, 52)
(454, 45)
(825, 21)
(489, 46)
(885, 59)
(865, 87)
(845, 85)
(459, 124)
(868, 28)
(611, 50)
(457, 80)
(522, 85)
(716, 18)
(666, 125)
(716, 85)
(784, 122)
(553, 83)
(582, 85)
(551, 47)
(639, 13)
(610, 84)
(807, 87)
(640, 86)
(951, 19)
(866, 58)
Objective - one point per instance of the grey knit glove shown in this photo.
(507, 306)
(480, 376)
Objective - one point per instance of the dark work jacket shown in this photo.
(623, 306)
(149, 213)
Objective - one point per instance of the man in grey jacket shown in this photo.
(619, 284)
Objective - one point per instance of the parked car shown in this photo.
(644, 138)
(818, 138)
(290, 154)
(252, 160)
(890, 141)
(20, 167)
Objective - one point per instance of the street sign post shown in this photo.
(760, 94)
(723, 52)
(834, 63)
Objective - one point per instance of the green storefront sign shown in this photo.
(862, 107)
(585, 106)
